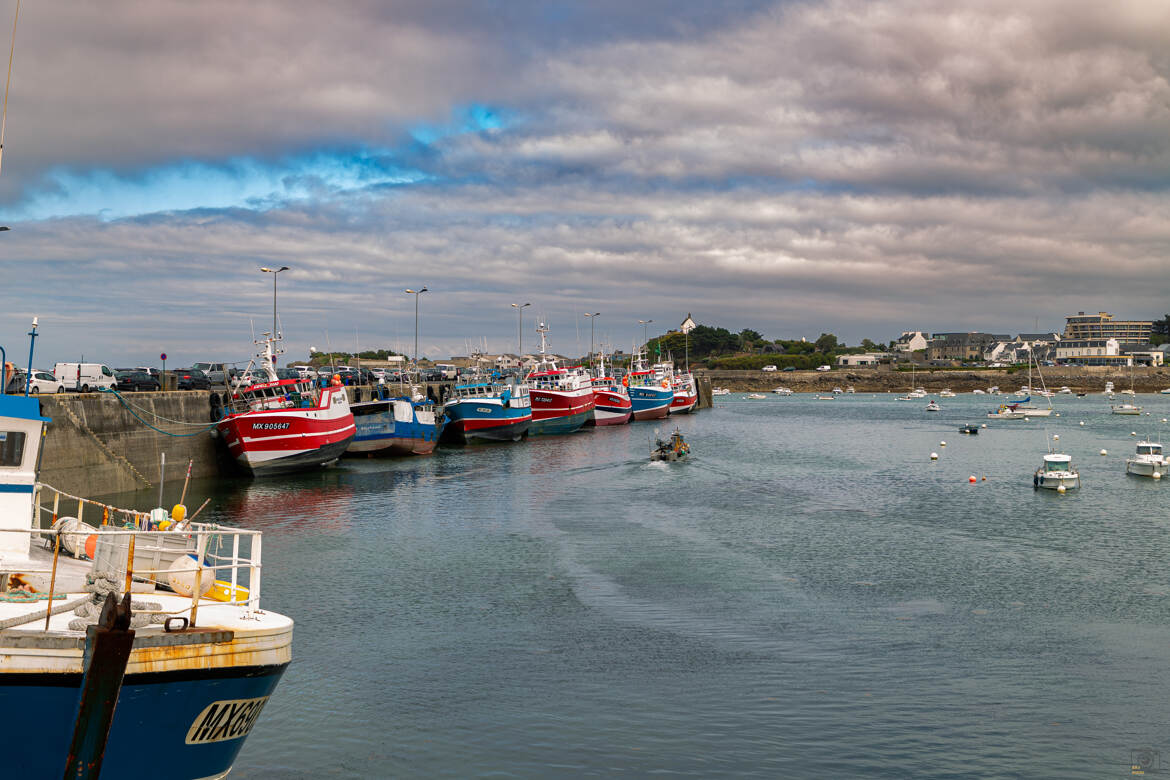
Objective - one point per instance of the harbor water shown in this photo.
(809, 596)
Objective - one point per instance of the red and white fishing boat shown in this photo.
(611, 401)
(686, 394)
(283, 425)
(562, 398)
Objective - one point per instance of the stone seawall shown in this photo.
(95, 446)
(1084, 379)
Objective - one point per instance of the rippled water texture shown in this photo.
(809, 597)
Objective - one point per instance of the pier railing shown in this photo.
(131, 550)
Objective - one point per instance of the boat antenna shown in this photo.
(8, 81)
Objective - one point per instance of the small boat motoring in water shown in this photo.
(672, 449)
(1148, 461)
(276, 426)
(971, 430)
(933, 406)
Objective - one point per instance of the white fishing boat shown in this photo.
(720, 391)
(1065, 390)
(977, 391)
(782, 391)
(1056, 472)
(993, 390)
(946, 393)
(826, 397)
(1108, 388)
(1148, 461)
(837, 391)
(756, 396)
(933, 406)
(850, 390)
(1165, 391)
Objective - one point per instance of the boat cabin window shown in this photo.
(1056, 465)
(1149, 449)
(11, 448)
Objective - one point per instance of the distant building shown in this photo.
(1102, 326)
(1092, 352)
(911, 341)
(866, 359)
(964, 347)
(1042, 345)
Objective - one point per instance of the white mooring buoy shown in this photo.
(1156, 475)
(1082, 423)
(934, 456)
(1060, 488)
(1104, 452)
(1056, 437)
(942, 444)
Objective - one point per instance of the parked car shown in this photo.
(824, 368)
(216, 372)
(788, 368)
(83, 377)
(769, 368)
(130, 380)
(192, 379)
(304, 372)
(42, 382)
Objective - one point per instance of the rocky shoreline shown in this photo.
(1083, 379)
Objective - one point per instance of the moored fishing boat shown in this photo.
(611, 401)
(277, 426)
(166, 687)
(395, 426)
(686, 394)
(1056, 472)
(1148, 461)
(562, 398)
(488, 411)
(650, 395)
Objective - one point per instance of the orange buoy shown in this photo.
(91, 546)
(971, 479)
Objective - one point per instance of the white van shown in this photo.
(84, 377)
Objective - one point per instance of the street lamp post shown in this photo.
(416, 293)
(274, 272)
(591, 317)
(519, 307)
(645, 335)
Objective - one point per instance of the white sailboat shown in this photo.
(1023, 409)
(1127, 407)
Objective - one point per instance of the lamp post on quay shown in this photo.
(274, 272)
(591, 317)
(519, 307)
(416, 293)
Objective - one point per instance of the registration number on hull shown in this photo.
(224, 720)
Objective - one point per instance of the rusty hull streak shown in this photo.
(241, 651)
(18, 582)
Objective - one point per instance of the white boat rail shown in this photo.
(135, 554)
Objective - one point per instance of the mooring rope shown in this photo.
(130, 408)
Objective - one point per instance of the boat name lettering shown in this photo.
(483, 410)
(269, 426)
(224, 720)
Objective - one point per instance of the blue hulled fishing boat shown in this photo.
(395, 426)
(166, 687)
(487, 410)
(650, 390)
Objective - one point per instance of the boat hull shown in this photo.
(555, 412)
(162, 720)
(481, 420)
(1146, 468)
(1052, 481)
(281, 441)
(381, 430)
(610, 408)
(683, 404)
(650, 403)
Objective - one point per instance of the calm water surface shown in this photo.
(809, 597)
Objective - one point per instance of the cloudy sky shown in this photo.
(854, 166)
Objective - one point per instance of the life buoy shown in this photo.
(665, 383)
(625, 381)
